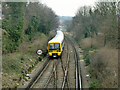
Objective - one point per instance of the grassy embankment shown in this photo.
(102, 62)
(17, 64)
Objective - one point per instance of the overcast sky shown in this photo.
(67, 7)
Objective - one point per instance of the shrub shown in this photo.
(15, 86)
(104, 64)
(86, 56)
(93, 84)
(87, 60)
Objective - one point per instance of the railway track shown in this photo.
(57, 73)
(78, 74)
(33, 80)
(65, 79)
(52, 81)
(42, 78)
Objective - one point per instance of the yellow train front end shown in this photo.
(54, 49)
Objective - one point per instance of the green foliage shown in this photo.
(35, 22)
(11, 46)
(93, 85)
(30, 32)
(87, 59)
(13, 24)
(33, 27)
(91, 73)
(15, 85)
(86, 56)
(5, 24)
(22, 23)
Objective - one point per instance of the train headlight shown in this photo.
(58, 54)
(50, 54)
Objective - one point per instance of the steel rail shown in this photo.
(36, 76)
(78, 73)
(66, 69)
(40, 75)
(66, 74)
(53, 73)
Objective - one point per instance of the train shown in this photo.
(56, 45)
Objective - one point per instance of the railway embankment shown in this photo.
(17, 66)
(100, 63)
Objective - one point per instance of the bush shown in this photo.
(15, 86)
(87, 60)
(40, 58)
(13, 25)
(86, 56)
(93, 84)
(104, 64)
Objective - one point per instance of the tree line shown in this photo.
(89, 21)
(22, 20)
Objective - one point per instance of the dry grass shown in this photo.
(104, 64)
(103, 61)
(96, 42)
(39, 42)
(86, 43)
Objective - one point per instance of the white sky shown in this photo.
(67, 7)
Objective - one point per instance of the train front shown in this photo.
(55, 46)
(54, 49)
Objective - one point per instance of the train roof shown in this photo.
(58, 38)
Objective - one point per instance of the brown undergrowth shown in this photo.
(102, 62)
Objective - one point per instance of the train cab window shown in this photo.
(54, 46)
(51, 46)
(57, 46)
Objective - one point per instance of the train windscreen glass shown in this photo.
(54, 46)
